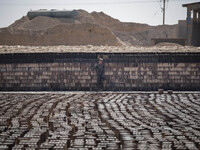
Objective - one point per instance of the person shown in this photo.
(100, 73)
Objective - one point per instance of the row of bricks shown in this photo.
(163, 65)
(79, 69)
(109, 76)
(107, 80)
(107, 72)
(106, 84)
(94, 77)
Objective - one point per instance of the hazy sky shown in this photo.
(140, 11)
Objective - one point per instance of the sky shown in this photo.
(139, 11)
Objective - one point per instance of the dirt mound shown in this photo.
(40, 23)
(56, 31)
(62, 34)
(112, 31)
(99, 18)
(129, 33)
(20, 22)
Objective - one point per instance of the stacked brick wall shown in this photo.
(122, 71)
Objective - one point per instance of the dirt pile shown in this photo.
(99, 18)
(61, 34)
(96, 28)
(56, 31)
(39, 23)
(130, 33)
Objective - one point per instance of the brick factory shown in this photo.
(150, 99)
(130, 119)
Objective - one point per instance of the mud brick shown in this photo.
(165, 65)
(84, 73)
(119, 73)
(5, 65)
(178, 69)
(111, 65)
(3, 69)
(76, 68)
(193, 65)
(160, 91)
(132, 77)
(176, 72)
(108, 73)
(46, 73)
(127, 69)
(76, 73)
(18, 73)
(4, 147)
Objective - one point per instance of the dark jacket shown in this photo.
(100, 69)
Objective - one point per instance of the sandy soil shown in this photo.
(93, 49)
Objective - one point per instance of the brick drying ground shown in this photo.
(98, 121)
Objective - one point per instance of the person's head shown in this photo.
(100, 60)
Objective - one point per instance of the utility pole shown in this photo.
(163, 12)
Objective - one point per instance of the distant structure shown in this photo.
(182, 29)
(53, 13)
(180, 41)
(193, 24)
(180, 35)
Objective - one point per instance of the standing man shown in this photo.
(100, 73)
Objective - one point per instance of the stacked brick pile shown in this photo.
(123, 71)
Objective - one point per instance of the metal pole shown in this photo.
(163, 12)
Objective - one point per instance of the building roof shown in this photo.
(196, 5)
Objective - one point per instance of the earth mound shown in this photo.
(96, 28)
(61, 34)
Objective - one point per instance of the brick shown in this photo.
(75, 68)
(178, 69)
(108, 73)
(19, 73)
(130, 69)
(74, 73)
(185, 73)
(193, 65)
(126, 68)
(173, 73)
(84, 73)
(181, 65)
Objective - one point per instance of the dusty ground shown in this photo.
(100, 121)
(90, 48)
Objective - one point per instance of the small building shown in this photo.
(193, 23)
(53, 13)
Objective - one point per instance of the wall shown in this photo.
(182, 29)
(123, 71)
(196, 33)
(169, 40)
